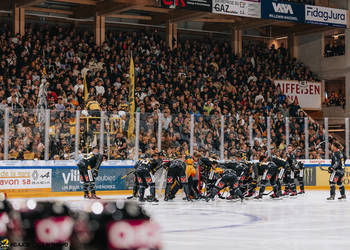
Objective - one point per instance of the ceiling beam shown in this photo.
(27, 3)
(101, 9)
(214, 20)
(178, 16)
(136, 2)
(151, 9)
(46, 10)
(137, 17)
(256, 23)
(84, 2)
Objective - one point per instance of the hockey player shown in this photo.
(192, 184)
(270, 174)
(135, 188)
(88, 169)
(290, 171)
(299, 175)
(228, 179)
(337, 171)
(209, 170)
(176, 172)
(145, 170)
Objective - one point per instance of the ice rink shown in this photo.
(306, 222)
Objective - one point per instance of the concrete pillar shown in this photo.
(236, 42)
(175, 35)
(171, 35)
(347, 46)
(19, 21)
(100, 30)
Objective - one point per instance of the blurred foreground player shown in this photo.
(337, 171)
(88, 169)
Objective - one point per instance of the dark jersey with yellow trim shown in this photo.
(338, 161)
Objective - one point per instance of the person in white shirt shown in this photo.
(79, 85)
(259, 98)
(100, 90)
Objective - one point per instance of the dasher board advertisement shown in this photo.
(25, 178)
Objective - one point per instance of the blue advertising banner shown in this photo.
(68, 179)
(283, 11)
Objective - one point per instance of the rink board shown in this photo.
(48, 178)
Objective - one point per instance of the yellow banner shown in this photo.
(131, 100)
(322, 176)
(86, 95)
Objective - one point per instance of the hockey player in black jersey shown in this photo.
(176, 172)
(270, 174)
(228, 179)
(144, 171)
(208, 173)
(299, 176)
(337, 171)
(88, 169)
(290, 171)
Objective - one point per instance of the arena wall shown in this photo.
(61, 178)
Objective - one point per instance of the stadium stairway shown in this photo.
(336, 122)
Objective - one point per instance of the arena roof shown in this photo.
(149, 12)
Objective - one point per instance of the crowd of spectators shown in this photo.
(203, 78)
(335, 47)
(335, 99)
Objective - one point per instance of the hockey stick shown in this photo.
(131, 172)
(268, 193)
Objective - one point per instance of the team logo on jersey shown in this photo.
(220, 184)
(183, 179)
(268, 177)
(139, 179)
(148, 180)
(170, 179)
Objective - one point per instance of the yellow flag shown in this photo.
(131, 100)
(85, 88)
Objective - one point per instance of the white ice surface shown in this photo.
(307, 222)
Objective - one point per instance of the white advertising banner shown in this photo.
(247, 8)
(25, 178)
(308, 94)
(325, 16)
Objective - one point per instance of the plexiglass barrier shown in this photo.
(64, 135)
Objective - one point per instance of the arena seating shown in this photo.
(199, 77)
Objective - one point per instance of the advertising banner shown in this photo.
(308, 94)
(247, 8)
(284, 11)
(25, 178)
(65, 179)
(198, 5)
(325, 16)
